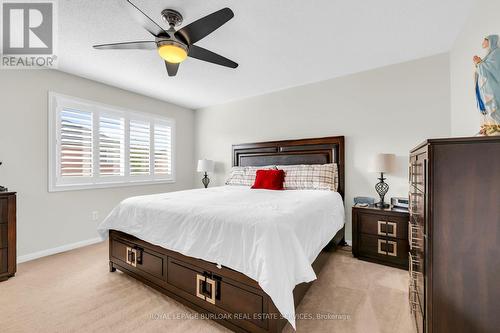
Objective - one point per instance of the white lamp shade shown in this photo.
(205, 166)
(385, 163)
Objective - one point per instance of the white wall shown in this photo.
(391, 109)
(49, 220)
(482, 22)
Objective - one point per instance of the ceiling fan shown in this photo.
(175, 46)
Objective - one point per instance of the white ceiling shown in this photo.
(278, 44)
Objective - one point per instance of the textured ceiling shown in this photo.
(278, 44)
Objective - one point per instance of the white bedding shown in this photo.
(271, 236)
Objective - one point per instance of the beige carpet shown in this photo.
(74, 292)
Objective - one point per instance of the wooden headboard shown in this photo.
(289, 152)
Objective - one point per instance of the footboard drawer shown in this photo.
(240, 299)
(3, 235)
(183, 276)
(3, 261)
(136, 257)
(237, 300)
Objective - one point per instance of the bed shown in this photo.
(250, 272)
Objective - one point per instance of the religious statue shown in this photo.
(487, 86)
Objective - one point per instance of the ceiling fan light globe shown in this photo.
(172, 53)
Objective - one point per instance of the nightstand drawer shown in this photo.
(372, 224)
(387, 249)
(380, 225)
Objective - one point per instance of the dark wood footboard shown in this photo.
(222, 294)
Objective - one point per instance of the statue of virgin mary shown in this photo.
(487, 85)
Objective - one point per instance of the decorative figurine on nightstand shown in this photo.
(487, 86)
(383, 163)
(205, 166)
(3, 189)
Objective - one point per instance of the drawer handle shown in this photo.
(200, 280)
(131, 256)
(380, 224)
(410, 233)
(394, 251)
(394, 229)
(380, 242)
(211, 299)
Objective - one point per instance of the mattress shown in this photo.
(271, 236)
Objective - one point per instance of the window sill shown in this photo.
(77, 187)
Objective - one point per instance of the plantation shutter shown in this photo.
(75, 143)
(92, 145)
(111, 145)
(139, 148)
(163, 149)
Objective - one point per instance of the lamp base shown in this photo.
(205, 181)
(382, 205)
(382, 187)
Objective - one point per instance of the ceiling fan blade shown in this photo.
(203, 27)
(171, 68)
(206, 55)
(146, 21)
(142, 45)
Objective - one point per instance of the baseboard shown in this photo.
(59, 249)
(349, 242)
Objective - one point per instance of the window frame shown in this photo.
(57, 183)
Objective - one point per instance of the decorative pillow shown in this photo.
(244, 175)
(269, 179)
(311, 177)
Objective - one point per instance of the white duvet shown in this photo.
(271, 236)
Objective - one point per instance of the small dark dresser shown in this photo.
(7, 235)
(380, 235)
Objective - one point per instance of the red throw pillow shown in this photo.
(269, 179)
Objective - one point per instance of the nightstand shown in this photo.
(380, 235)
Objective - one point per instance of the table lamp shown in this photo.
(205, 166)
(383, 163)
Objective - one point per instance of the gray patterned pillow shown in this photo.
(311, 177)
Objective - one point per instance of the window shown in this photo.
(93, 145)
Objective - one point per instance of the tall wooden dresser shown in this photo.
(454, 235)
(7, 235)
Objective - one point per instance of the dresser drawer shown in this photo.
(4, 210)
(3, 261)
(417, 172)
(3, 235)
(417, 203)
(416, 236)
(224, 293)
(416, 310)
(416, 278)
(381, 225)
(138, 258)
(384, 248)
